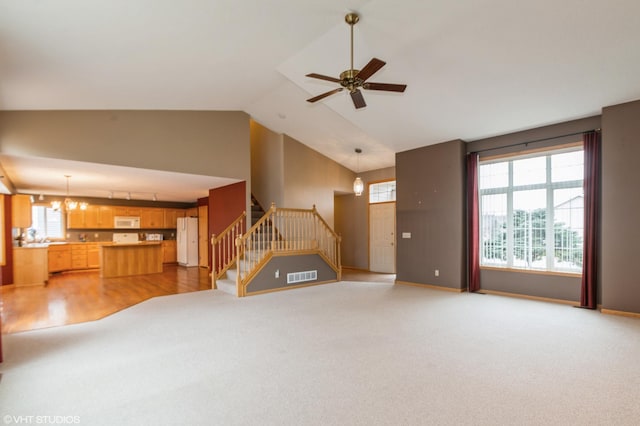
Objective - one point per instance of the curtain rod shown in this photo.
(533, 141)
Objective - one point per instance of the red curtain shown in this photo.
(588, 296)
(473, 217)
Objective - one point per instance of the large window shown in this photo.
(46, 223)
(531, 211)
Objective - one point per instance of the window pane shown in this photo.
(494, 175)
(493, 225)
(568, 228)
(529, 228)
(47, 223)
(567, 166)
(530, 171)
(382, 192)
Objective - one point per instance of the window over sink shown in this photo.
(47, 223)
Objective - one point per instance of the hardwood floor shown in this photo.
(75, 297)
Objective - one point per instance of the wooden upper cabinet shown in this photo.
(76, 219)
(191, 212)
(98, 217)
(127, 211)
(94, 217)
(171, 218)
(151, 218)
(21, 211)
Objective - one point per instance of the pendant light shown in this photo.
(358, 185)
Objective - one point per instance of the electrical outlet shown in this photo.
(277, 273)
(437, 272)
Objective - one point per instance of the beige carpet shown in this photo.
(349, 353)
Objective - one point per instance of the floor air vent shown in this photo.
(300, 277)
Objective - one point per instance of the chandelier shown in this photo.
(69, 204)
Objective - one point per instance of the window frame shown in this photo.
(63, 221)
(549, 186)
(379, 182)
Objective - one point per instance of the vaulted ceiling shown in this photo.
(474, 68)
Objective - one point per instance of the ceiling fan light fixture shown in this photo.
(353, 79)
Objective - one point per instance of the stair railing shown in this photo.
(283, 230)
(223, 251)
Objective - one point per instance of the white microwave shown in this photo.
(126, 222)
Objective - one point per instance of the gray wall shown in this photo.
(562, 287)
(431, 205)
(266, 280)
(352, 220)
(620, 206)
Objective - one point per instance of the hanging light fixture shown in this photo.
(358, 185)
(69, 204)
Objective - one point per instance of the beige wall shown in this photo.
(267, 171)
(352, 220)
(311, 178)
(209, 143)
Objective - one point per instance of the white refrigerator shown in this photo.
(187, 241)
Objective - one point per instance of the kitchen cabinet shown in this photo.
(191, 212)
(78, 256)
(85, 256)
(21, 211)
(94, 217)
(127, 211)
(98, 217)
(171, 217)
(151, 218)
(169, 251)
(93, 256)
(59, 258)
(30, 265)
(75, 219)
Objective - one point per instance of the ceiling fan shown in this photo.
(353, 79)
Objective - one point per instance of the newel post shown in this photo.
(213, 262)
(339, 241)
(238, 279)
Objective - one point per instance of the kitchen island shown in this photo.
(122, 259)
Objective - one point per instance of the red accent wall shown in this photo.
(226, 204)
(6, 277)
(6, 273)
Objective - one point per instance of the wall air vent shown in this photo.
(300, 277)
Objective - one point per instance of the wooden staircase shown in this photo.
(276, 231)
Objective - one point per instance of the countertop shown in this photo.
(101, 243)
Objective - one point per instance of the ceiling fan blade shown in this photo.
(324, 95)
(358, 99)
(324, 77)
(370, 69)
(385, 86)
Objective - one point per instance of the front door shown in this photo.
(382, 238)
